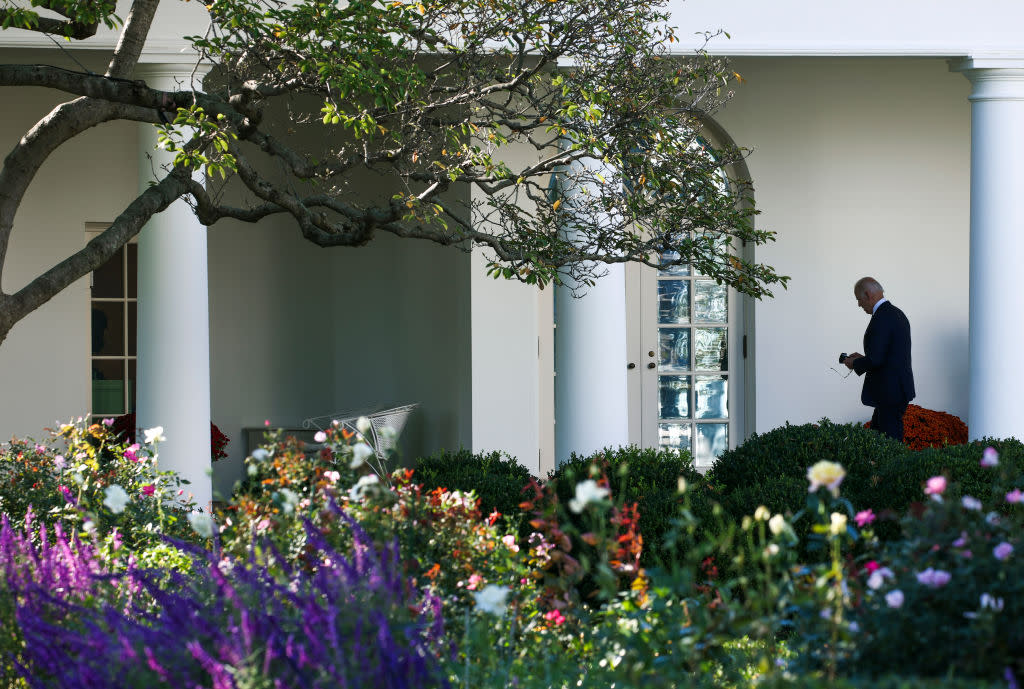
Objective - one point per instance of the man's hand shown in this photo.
(850, 358)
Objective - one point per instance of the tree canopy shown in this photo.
(560, 135)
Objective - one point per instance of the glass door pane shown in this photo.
(689, 405)
(674, 397)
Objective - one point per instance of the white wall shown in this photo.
(852, 27)
(862, 167)
(44, 371)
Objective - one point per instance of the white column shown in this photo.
(174, 322)
(997, 247)
(591, 399)
(591, 410)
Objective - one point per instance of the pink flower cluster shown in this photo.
(933, 578)
(555, 617)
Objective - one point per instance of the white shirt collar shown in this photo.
(877, 304)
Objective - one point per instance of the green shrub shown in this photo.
(890, 682)
(85, 477)
(770, 469)
(946, 599)
(899, 483)
(496, 478)
(646, 476)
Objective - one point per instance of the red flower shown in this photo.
(125, 426)
(926, 428)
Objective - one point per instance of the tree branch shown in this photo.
(63, 123)
(47, 25)
(156, 198)
(133, 38)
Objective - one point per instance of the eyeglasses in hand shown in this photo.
(848, 372)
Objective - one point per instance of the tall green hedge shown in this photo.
(770, 469)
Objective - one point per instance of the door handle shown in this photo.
(631, 365)
(651, 365)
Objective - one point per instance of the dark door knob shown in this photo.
(651, 365)
(650, 353)
(631, 365)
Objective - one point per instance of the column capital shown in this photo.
(995, 77)
(173, 76)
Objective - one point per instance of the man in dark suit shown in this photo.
(889, 383)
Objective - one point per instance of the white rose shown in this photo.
(492, 599)
(116, 498)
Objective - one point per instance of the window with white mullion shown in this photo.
(113, 305)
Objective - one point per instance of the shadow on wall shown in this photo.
(422, 434)
(950, 378)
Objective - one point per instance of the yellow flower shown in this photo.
(762, 514)
(828, 474)
(838, 525)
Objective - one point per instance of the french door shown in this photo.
(685, 368)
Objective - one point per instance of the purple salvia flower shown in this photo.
(347, 624)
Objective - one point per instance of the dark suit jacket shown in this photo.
(886, 360)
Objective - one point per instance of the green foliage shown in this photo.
(681, 623)
(284, 485)
(447, 545)
(599, 84)
(647, 477)
(886, 682)
(200, 141)
(731, 601)
(496, 478)
(966, 621)
(89, 480)
(899, 483)
(770, 469)
(82, 16)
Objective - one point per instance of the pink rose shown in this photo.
(936, 485)
(1015, 496)
(1003, 551)
(990, 458)
(864, 518)
(148, 490)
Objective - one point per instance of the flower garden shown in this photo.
(822, 555)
